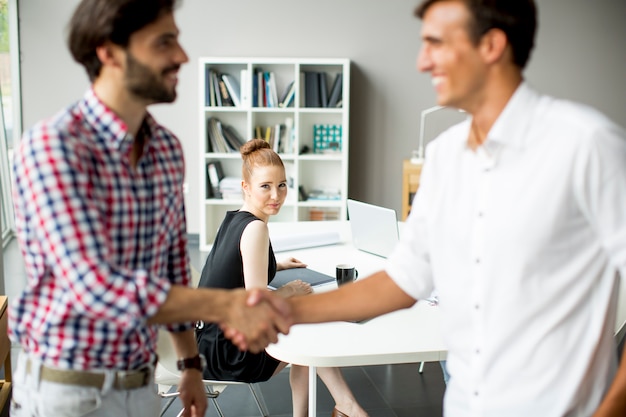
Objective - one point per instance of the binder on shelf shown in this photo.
(214, 176)
(311, 89)
(336, 91)
(233, 89)
(323, 90)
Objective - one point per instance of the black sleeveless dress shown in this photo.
(224, 269)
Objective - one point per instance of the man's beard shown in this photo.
(146, 84)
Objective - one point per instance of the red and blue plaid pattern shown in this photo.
(102, 241)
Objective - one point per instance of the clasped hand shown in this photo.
(255, 318)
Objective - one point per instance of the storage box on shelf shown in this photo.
(301, 107)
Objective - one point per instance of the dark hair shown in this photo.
(516, 18)
(97, 21)
(257, 152)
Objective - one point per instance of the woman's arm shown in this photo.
(254, 247)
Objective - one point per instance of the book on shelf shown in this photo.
(214, 175)
(276, 139)
(227, 101)
(311, 89)
(245, 88)
(268, 94)
(279, 136)
(268, 134)
(213, 132)
(287, 98)
(323, 90)
(216, 89)
(221, 137)
(260, 89)
(209, 97)
(336, 91)
(288, 146)
(233, 89)
(273, 92)
(233, 139)
(255, 89)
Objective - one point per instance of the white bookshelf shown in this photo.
(326, 171)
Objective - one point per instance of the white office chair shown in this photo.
(167, 376)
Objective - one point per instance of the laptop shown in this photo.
(305, 274)
(374, 228)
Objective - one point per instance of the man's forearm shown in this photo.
(370, 297)
(185, 304)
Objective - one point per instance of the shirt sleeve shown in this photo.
(409, 264)
(179, 270)
(600, 187)
(61, 222)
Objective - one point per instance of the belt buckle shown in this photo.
(125, 382)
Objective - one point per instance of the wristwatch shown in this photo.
(197, 362)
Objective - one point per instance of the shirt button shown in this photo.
(477, 307)
(477, 260)
(475, 393)
(480, 214)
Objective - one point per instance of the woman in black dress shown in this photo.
(242, 256)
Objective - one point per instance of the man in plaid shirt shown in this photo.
(101, 223)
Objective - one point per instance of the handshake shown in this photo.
(254, 319)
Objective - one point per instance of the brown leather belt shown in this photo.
(124, 380)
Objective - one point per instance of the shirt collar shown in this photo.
(512, 124)
(108, 126)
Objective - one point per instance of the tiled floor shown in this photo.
(383, 391)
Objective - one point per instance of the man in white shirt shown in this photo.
(519, 222)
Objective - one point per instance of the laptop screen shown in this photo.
(374, 228)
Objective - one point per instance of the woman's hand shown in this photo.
(295, 287)
(290, 263)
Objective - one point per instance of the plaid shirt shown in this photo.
(102, 241)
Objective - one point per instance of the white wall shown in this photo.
(580, 55)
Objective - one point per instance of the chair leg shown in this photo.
(167, 405)
(260, 400)
(217, 407)
(213, 396)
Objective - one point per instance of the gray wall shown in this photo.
(580, 55)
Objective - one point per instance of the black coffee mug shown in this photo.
(345, 273)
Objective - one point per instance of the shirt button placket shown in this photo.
(478, 254)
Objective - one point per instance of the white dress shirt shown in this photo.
(522, 239)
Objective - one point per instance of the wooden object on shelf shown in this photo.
(5, 357)
(410, 183)
(315, 163)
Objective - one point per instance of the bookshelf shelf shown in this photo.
(312, 139)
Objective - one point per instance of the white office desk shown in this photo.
(405, 336)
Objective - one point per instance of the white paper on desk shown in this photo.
(304, 240)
